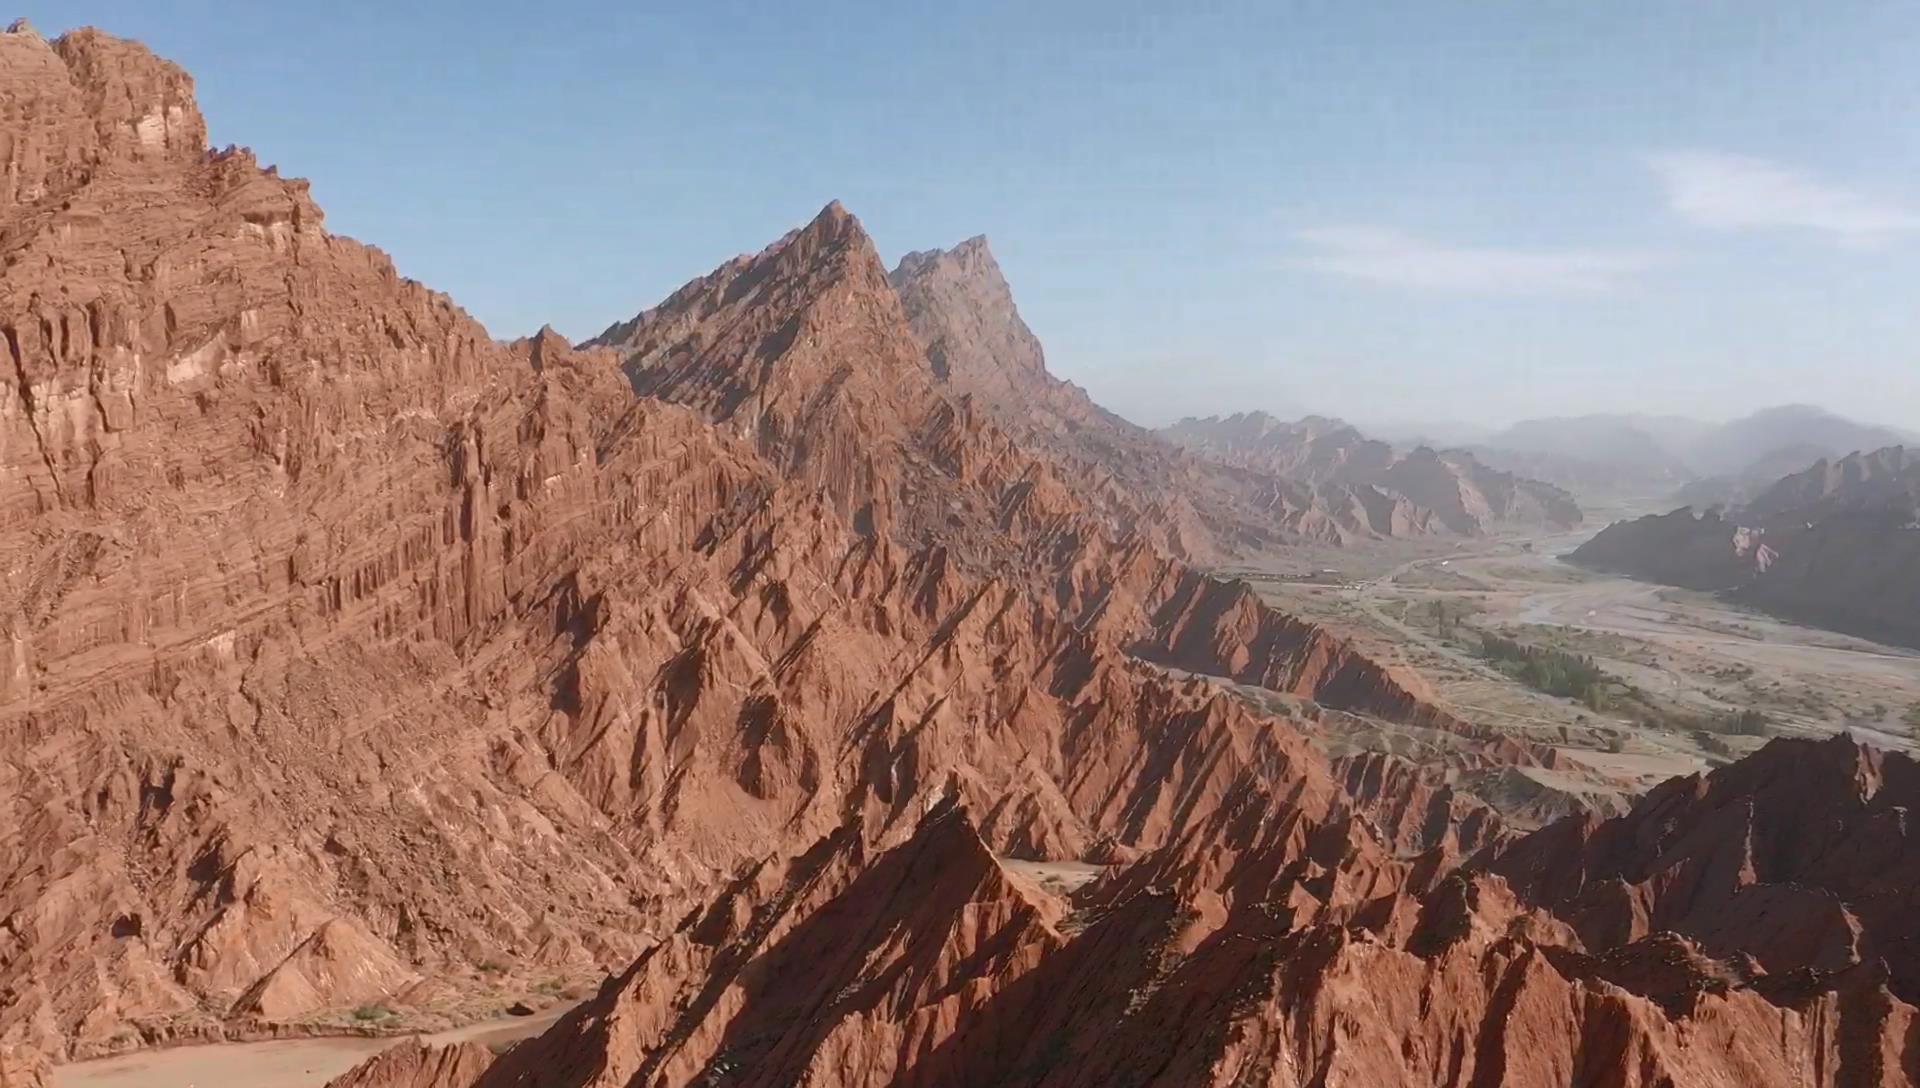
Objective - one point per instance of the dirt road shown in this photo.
(284, 1063)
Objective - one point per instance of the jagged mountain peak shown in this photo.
(974, 256)
(806, 318)
(87, 101)
(963, 313)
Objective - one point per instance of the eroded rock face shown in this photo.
(23, 1068)
(414, 1064)
(1798, 858)
(348, 650)
(351, 652)
(963, 314)
(1272, 947)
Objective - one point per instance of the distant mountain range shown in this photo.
(1451, 488)
(1700, 463)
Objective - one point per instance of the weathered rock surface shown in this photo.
(414, 1064)
(1797, 858)
(1276, 945)
(355, 657)
(350, 652)
(22, 1068)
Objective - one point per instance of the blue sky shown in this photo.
(1421, 211)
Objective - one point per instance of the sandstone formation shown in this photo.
(1367, 487)
(1277, 944)
(358, 658)
(1835, 545)
(415, 1064)
(1794, 862)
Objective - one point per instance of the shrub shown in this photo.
(1555, 672)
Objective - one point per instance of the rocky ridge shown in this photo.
(1365, 486)
(359, 657)
(1278, 945)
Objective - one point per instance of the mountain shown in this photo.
(1792, 435)
(1835, 546)
(963, 313)
(1710, 936)
(355, 659)
(1598, 454)
(1451, 490)
(1709, 463)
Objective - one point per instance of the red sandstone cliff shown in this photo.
(1277, 945)
(352, 651)
(354, 654)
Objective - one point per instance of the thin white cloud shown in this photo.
(1740, 192)
(1383, 255)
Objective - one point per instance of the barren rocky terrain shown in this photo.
(768, 665)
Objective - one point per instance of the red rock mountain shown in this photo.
(964, 316)
(1277, 944)
(352, 651)
(356, 657)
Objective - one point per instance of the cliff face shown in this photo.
(349, 651)
(1738, 861)
(1834, 546)
(1369, 486)
(1277, 943)
(961, 312)
(355, 657)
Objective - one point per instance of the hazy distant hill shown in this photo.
(1797, 431)
(1704, 463)
(1331, 456)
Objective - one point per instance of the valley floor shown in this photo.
(280, 1063)
(1680, 657)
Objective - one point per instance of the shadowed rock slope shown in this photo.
(1276, 943)
(1836, 545)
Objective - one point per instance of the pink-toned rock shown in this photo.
(414, 1064)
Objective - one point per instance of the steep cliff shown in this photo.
(354, 657)
(1278, 944)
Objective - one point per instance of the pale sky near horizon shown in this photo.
(1393, 211)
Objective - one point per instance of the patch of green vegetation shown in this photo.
(1733, 723)
(1912, 718)
(1556, 672)
(368, 1013)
